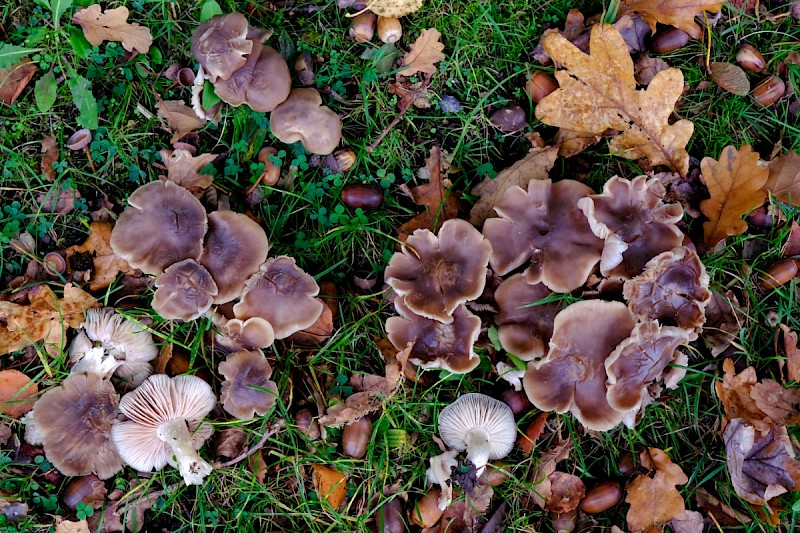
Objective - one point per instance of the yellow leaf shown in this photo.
(655, 500)
(394, 8)
(784, 178)
(425, 51)
(735, 184)
(678, 13)
(112, 26)
(330, 484)
(598, 92)
(15, 388)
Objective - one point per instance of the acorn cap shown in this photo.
(247, 390)
(302, 117)
(185, 291)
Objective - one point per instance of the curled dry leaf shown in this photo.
(784, 178)
(792, 353)
(107, 265)
(540, 477)
(181, 119)
(329, 484)
(112, 26)
(50, 154)
(16, 391)
(532, 433)
(723, 322)
(67, 526)
(183, 168)
(230, 442)
(680, 14)
(597, 92)
(722, 514)
(14, 79)
(735, 184)
(566, 492)
(655, 500)
(646, 68)
(424, 53)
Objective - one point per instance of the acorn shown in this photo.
(565, 522)
(272, 172)
(355, 437)
(769, 90)
(602, 497)
(390, 517)
(362, 196)
(517, 400)
(389, 29)
(86, 489)
(426, 511)
(669, 40)
(750, 58)
(362, 27)
(539, 85)
(778, 274)
(627, 464)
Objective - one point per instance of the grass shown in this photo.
(487, 45)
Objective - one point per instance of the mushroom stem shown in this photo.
(478, 449)
(191, 466)
(440, 472)
(96, 361)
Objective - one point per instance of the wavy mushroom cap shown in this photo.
(437, 274)
(184, 291)
(634, 222)
(302, 117)
(573, 375)
(545, 225)
(235, 247)
(436, 344)
(263, 83)
(673, 289)
(247, 390)
(639, 361)
(524, 329)
(220, 45)
(163, 224)
(236, 335)
(283, 295)
(75, 422)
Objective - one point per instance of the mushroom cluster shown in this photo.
(243, 70)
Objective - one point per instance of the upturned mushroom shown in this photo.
(302, 117)
(435, 274)
(234, 335)
(184, 291)
(221, 46)
(247, 390)
(165, 425)
(524, 326)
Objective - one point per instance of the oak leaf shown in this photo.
(735, 184)
(107, 265)
(655, 500)
(16, 393)
(678, 13)
(112, 26)
(566, 492)
(330, 484)
(181, 119)
(14, 79)
(724, 320)
(546, 465)
(424, 54)
(784, 178)
(597, 92)
(184, 169)
(792, 353)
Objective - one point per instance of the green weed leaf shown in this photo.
(10, 54)
(58, 7)
(45, 91)
(80, 45)
(209, 97)
(209, 9)
(84, 100)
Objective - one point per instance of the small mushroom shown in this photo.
(523, 325)
(236, 335)
(184, 291)
(221, 46)
(437, 274)
(80, 141)
(302, 117)
(481, 425)
(164, 425)
(247, 390)
(439, 474)
(262, 83)
(162, 225)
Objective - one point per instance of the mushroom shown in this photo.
(524, 326)
(220, 45)
(302, 117)
(283, 295)
(235, 335)
(439, 474)
(436, 344)
(634, 222)
(437, 274)
(127, 342)
(163, 224)
(235, 247)
(262, 83)
(481, 425)
(184, 291)
(545, 225)
(573, 375)
(164, 425)
(673, 289)
(80, 141)
(74, 422)
(247, 390)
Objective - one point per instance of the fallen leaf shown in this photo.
(425, 52)
(566, 492)
(762, 466)
(723, 514)
(112, 26)
(46, 318)
(678, 13)
(735, 184)
(734, 393)
(14, 79)
(496, 523)
(13, 510)
(258, 466)
(688, 522)
(184, 169)
(50, 154)
(107, 265)
(330, 484)
(730, 77)
(394, 8)
(230, 442)
(723, 322)
(534, 166)
(571, 142)
(66, 526)
(546, 465)
(645, 68)
(792, 246)
(161, 362)
(792, 353)
(318, 332)
(635, 31)
(5, 434)
(532, 433)
(57, 200)
(598, 92)
(411, 94)
(784, 178)
(181, 119)
(655, 500)
(14, 388)
(777, 402)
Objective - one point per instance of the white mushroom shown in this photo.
(439, 473)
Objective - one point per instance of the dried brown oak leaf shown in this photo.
(724, 320)
(678, 13)
(761, 466)
(735, 184)
(655, 500)
(534, 166)
(546, 465)
(50, 154)
(112, 26)
(598, 92)
(329, 484)
(107, 265)
(424, 54)
(184, 169)
(46, 318)
(14, 79)
(181, 119)
(792, 353)
(784, 178)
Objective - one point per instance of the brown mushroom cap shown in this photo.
(673, 289)
(75, 421)
(163, 224)
(640, 360)
(220, 45)
(545, 225)
(524, 330)
(436, 274)
(235, 246)
(573, 375)
(436, 344)
(237, 335)
(263, 82)
(283, 295)
(634, 222)
(247, 390)
(80, 139)
(184, 291)
(302, 117)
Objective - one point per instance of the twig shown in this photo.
(383, 134)
(244, 455)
